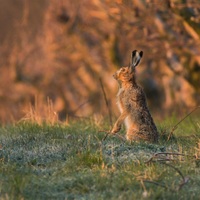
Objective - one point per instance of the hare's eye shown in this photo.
(122, 70)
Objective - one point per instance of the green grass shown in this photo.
(72, 162)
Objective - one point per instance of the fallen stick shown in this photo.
(166, 153)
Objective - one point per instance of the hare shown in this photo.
(131, 101)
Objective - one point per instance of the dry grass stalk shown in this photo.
(106, 101)
(41, 113)
(175, 127)
(108, 109)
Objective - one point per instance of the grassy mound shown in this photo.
(71, 162)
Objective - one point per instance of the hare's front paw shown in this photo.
(115, 129)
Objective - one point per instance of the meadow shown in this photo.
(71, 161)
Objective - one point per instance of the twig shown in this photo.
(165, 153)
(106, 101)
(180, 173)
(156, 183)
(80, 106)
(183, 182)
(174, 128)
(164, 160)
(108, 132)
(184, 179)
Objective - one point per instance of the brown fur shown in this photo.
(132, 104)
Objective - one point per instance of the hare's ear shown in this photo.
(135, 58)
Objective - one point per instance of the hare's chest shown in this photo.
(120, 100)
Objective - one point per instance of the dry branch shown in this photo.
(165, 153)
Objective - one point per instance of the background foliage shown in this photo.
(59, 50)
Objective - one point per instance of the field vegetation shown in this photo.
(71, 161)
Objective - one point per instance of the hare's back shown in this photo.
(136, 94)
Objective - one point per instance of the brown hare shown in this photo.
(132, 104)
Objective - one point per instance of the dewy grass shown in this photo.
(71, 162)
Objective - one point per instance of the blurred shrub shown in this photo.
(60, 49)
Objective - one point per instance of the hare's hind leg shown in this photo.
(132, 134)
(139, 136)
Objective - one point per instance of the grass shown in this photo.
(71, 162)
